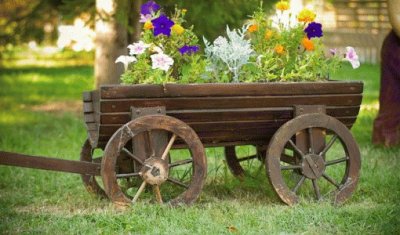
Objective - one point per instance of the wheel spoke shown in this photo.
(329, 145)
(333, 162)
(330, 180)
(132, 156)
(157, 192)
(142, 186)
(129, 175)
(179, 163)
(316, 189)
(301, 181)
(247, 158)
(294, 146)
(311, 141)
(177, 182)
(170, 143)
(150, 143)
(292, 167)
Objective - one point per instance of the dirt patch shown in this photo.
(60, 107)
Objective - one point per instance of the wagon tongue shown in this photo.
(47, 163)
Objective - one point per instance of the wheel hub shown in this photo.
(155, 171)
(313, 166)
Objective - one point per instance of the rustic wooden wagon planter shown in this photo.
(145, 129)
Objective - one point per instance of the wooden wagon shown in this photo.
(300, 131)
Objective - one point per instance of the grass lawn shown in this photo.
(39, 115)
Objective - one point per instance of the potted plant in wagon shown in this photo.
(264, 85)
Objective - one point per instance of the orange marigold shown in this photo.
(268, 34)
(279, 49)
(306, 15)
(282, 5)
(253, 28)
(148, 25)
(307, 44)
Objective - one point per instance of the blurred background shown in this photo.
(66, 29)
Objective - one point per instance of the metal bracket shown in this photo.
(305, 109)
(143, 111)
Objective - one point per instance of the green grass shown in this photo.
(34, 201)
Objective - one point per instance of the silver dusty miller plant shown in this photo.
(233, 51)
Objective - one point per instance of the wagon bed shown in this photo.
(220, 114)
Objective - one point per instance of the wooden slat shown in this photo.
(124, 105)
(189, 116)
(89, 117)
(87, 96)
(215, 127)
(88, 107)
(242, 89)
(121, 91)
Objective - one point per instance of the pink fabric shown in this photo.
(387, 125)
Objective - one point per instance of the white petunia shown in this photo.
(161, 61)
(138, 48)
(352, 57)
(126, 60)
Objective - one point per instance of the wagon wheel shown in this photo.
(156, 170)
(331, 171)
(90, 182)
(235, 164)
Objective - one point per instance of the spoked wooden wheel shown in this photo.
(90, 181)
(238, 164)
(313, 155)
(162, 170)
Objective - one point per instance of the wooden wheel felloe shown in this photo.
(235, 164)
(313, 154)
(90, 182)
(158, 168)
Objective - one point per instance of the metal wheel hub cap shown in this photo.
(313, 166)
(155, 171)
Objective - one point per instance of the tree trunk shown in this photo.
(134, 18)
(111, 40)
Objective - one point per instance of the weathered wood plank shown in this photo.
(87, 96)
(110, 106)
(88, 107)
(210, 115)
(242, 89)
(221, 126)
(89, 117)
(121, 91)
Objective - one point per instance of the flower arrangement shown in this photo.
(264, 50)
(167, 52)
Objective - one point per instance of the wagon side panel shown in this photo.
(229, 114)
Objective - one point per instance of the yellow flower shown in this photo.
(268, 34)
(282, 5)
(148, 25)
(253, 28)
(279, 49)
(307, 44)
(184, 11)
(177, 29)
(306, 15)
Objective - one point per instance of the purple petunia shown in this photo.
(188, 49)
(314, 30)
(149, 7)
(162, 25)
